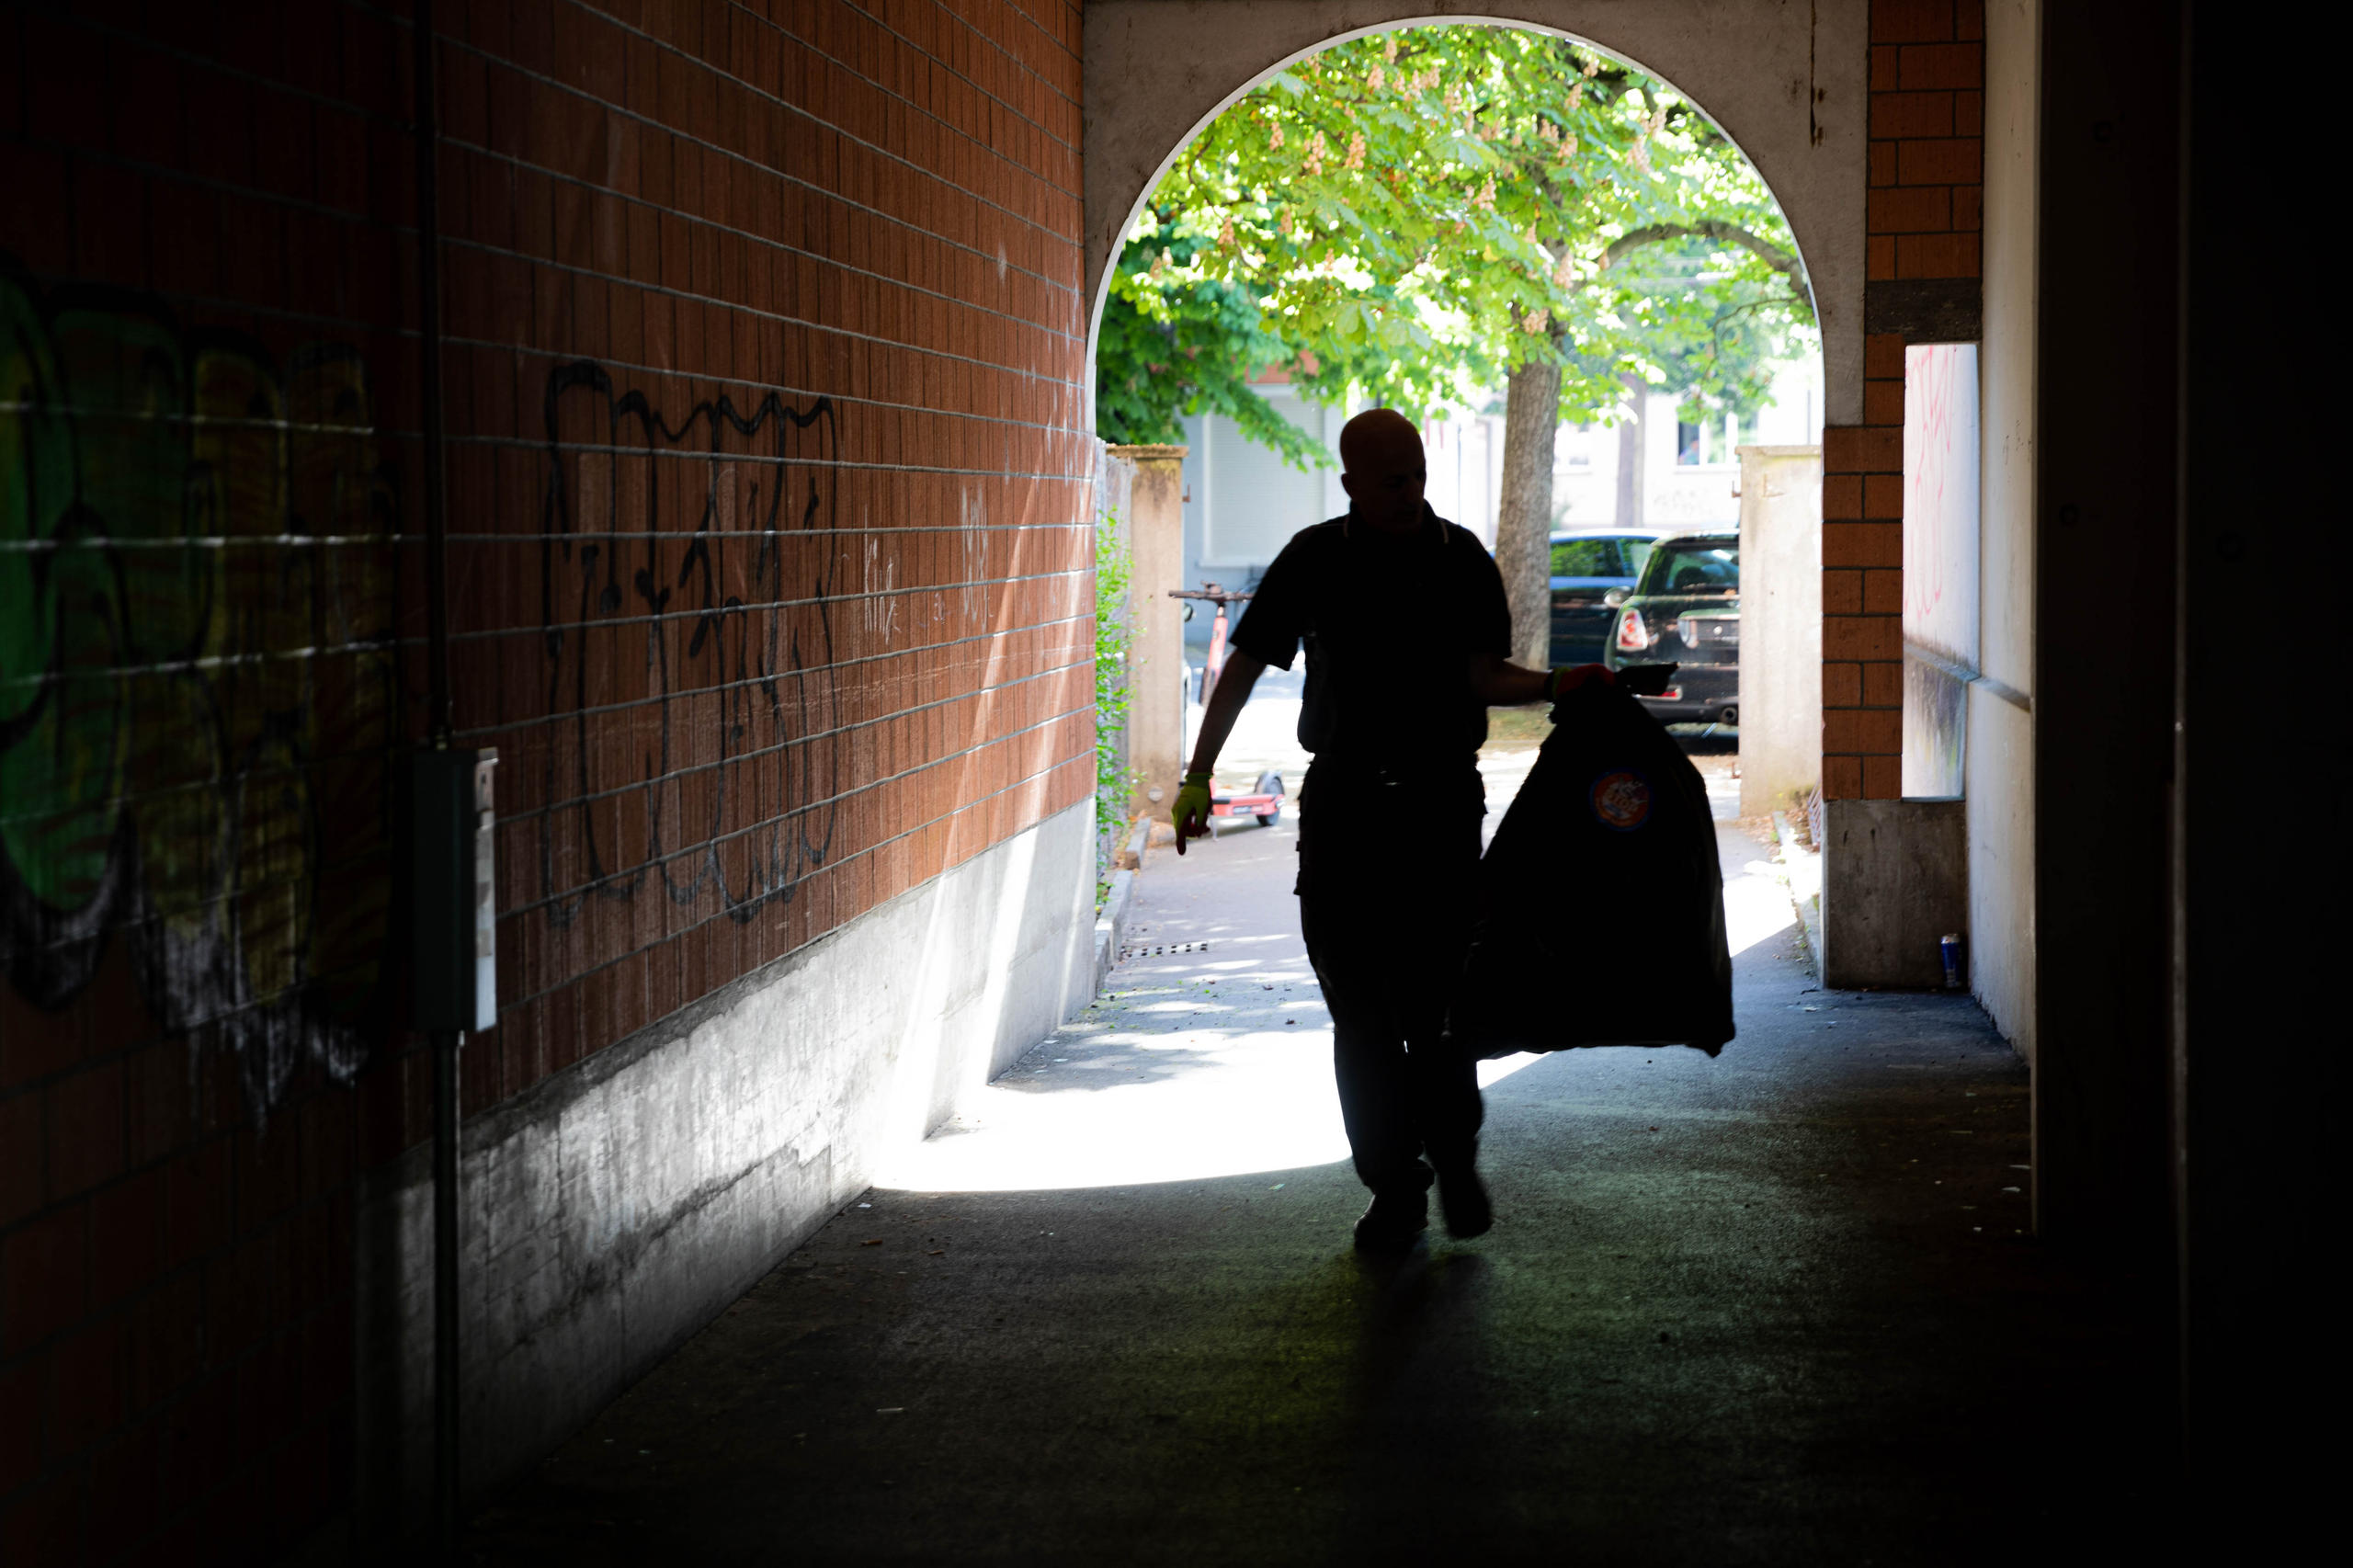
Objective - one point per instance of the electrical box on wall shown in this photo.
(454, 911)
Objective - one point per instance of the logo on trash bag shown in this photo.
(1621, 800)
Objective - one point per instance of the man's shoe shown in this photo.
(1392, 1222)
(1462, 1199)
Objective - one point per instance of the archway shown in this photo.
(1798, 113)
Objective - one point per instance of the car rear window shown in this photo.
(1588, 558)
(1693, 566)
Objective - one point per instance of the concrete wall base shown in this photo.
(1894, 880)
(615, 1209)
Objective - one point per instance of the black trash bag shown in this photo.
(1600, 916)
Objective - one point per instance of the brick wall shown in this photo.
(1927, 75)
(770, 581)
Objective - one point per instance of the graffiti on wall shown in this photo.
(198, 686)
(687, 583)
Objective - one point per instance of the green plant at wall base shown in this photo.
(1114, 781)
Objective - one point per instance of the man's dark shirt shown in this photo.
(1389, 624)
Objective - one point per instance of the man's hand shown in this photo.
(1191, 813)
(1568, 677)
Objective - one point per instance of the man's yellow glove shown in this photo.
(1191, 813)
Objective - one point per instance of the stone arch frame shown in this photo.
(1758, 68)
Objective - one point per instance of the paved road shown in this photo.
(1777, 1307)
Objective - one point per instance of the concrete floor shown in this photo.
(1776, 1308)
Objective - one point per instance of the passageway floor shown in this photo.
(1777, 1307)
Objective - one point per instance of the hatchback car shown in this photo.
(1588, 566)
(1685, 610)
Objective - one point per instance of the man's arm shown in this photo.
(1233, 689)
(1499, 683)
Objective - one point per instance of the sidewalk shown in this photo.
(1777, 1307)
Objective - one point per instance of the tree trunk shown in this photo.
(1524, 516)
(1631, 470)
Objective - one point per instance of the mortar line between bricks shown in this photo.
(491, 154)
(851, 71)
(263, 657)
(688, 769)
(844, 401)
(150, 43)
(679, 616)
(814, 935)
(1018, 63)
(799, 113)
(572, 269)
(539, 443)
(692, 770)
(711, 846)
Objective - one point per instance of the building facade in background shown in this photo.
(1243, 502)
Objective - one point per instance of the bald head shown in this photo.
(1379, 440)
(1383, 469)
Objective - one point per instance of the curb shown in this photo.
(1112, 924)
(1805, 887)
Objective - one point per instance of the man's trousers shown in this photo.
(1387, 863)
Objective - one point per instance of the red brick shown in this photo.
(1842, 496)
(126, 1237)
(1969, 114)
(1968, 207)
(1936, 255)
(23, 1146)
(20, 1420)
(1956, 160)
(1935, 67)
(1866, 730)
(46, 1525)
(85, 1386)
(1862, 544)
(125, 1481)
(1878, 257)
(44, 1277)
(1886, 68)
(1912, 21)
(1883, 777)
(1883, 591)
(1842, 685)
(1842, 591)
(1882, 405)
(87, 1121)
(1884, 355)
(1884, 162)
(1858, 637)
(1842, 778)
(1901, 116)
(1883, 492)
(1905, 209)
(1883, 685)
(1861, 449)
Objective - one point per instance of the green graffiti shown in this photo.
(197, 684)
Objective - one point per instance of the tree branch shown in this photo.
(1763, 249)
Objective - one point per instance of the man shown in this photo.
(1407, 635)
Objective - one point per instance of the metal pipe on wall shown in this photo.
(444, 1043)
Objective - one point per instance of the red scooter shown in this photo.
(1265, 801)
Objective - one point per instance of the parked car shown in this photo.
(1685, 610)
(1587, 564)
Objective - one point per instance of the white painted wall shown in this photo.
(1781, 626)
(2001, 722)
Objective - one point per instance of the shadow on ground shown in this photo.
(1779, 1307)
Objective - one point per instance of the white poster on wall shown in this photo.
(1940, 554)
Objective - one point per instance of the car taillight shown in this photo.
(1633, 635)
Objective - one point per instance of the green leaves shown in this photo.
(1418, 213)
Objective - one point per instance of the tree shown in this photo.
(1424, 211)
